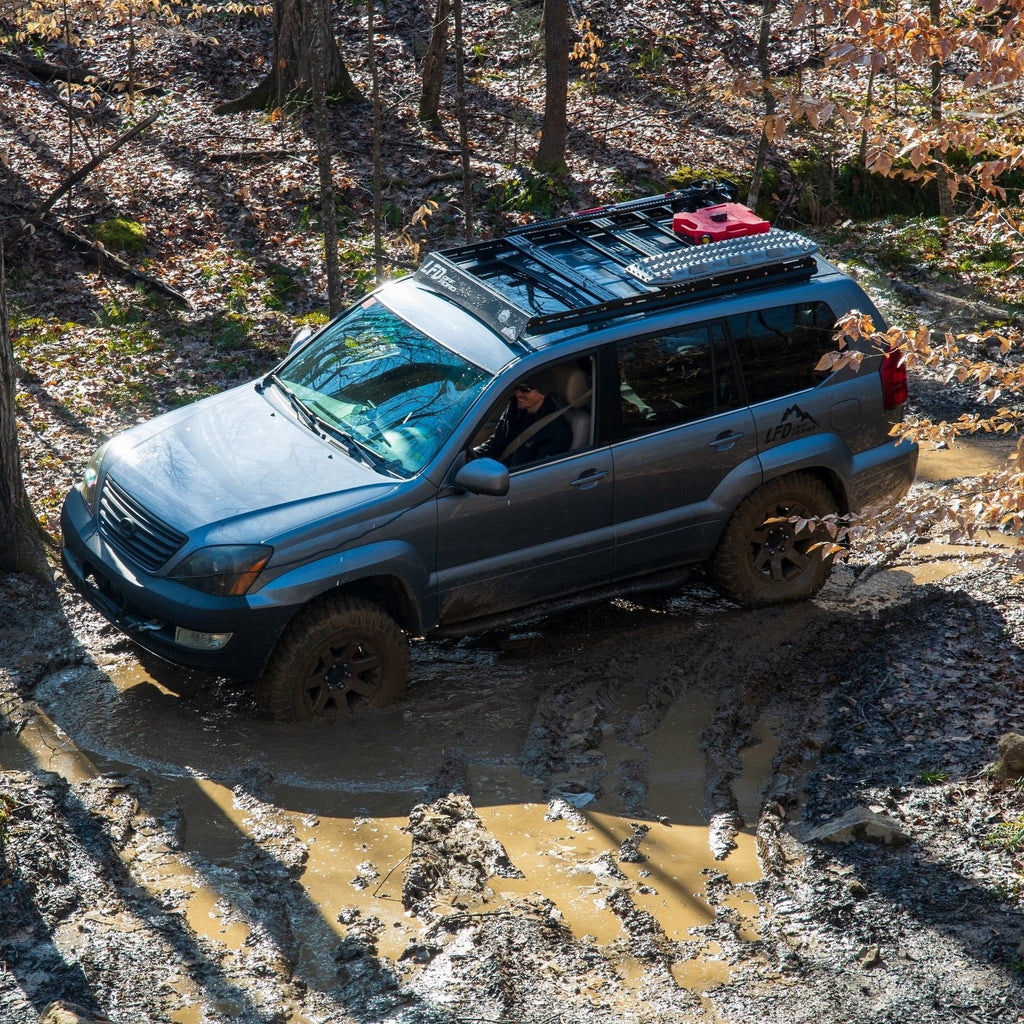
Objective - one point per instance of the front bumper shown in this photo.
(149, 609)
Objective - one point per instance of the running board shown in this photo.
(520, 617)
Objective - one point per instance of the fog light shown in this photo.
(200, 641)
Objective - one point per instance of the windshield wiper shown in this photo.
(357, 450)
(305, 414)
(349, 444)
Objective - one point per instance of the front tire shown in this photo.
(761, 558)
(343, 655)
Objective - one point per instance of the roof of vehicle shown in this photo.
(609, 261)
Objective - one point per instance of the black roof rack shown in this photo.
(598, 262)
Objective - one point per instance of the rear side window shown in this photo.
(675, 378)
(779, 347)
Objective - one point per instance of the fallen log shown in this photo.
(103, 257)
(44, 71)
(916, 291)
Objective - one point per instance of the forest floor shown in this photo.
(632, 814)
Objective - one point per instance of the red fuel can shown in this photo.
(713, 223)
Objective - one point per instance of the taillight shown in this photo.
(894, 379)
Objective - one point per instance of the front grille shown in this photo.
(134, 531)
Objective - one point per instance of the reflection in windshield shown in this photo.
(375, 378)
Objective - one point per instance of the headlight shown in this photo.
(225, 569)
(91, 476)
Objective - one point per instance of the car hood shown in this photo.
(234, 458)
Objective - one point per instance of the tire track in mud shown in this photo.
(741, 664)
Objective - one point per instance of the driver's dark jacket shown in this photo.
(552, 439)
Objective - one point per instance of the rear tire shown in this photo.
(759, 563)
(341, 656)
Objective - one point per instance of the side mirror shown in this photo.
(483, 476)
(303, 336)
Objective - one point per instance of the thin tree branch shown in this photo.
(39, 215)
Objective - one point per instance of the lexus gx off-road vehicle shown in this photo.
(298, 529)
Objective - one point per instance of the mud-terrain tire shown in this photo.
(343, 655)
(758, 563)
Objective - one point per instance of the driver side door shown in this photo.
(550, 536)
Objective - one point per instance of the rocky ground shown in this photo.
(884, 698)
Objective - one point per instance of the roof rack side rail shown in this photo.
(699, 194)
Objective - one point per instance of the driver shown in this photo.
(530, 428)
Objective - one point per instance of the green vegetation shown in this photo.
(684, 176)
(992, 257)
(120, 235)
(523, 190)
(914, 244)
(1009, 836)
(865, 195)
(1006, 893)
(283, 284)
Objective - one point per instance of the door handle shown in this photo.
(588, 479)
(726, 440)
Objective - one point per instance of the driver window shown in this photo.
(547, 413)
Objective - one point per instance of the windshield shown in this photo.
(377, 380)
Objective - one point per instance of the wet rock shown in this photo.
(869, 957)
(856, 888)
(352, 947)
(722, 831)
(629, 849)
(1011, 757)
(860, 823)
(647, 939)
(70, 1013)
(560, 808)
(420, 952)
(452, 852)
(604, 866)
(349, 914)
(367, 874)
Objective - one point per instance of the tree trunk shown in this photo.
(322, 45)
(941, 175)
(21, 544)
(434, 62)
(764, 68)
(463, 115)
(378, 170)
(550, 156)
(290, 79)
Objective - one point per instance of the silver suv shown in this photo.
(589, 405)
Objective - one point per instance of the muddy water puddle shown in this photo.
(969, 456)
(335, 800)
